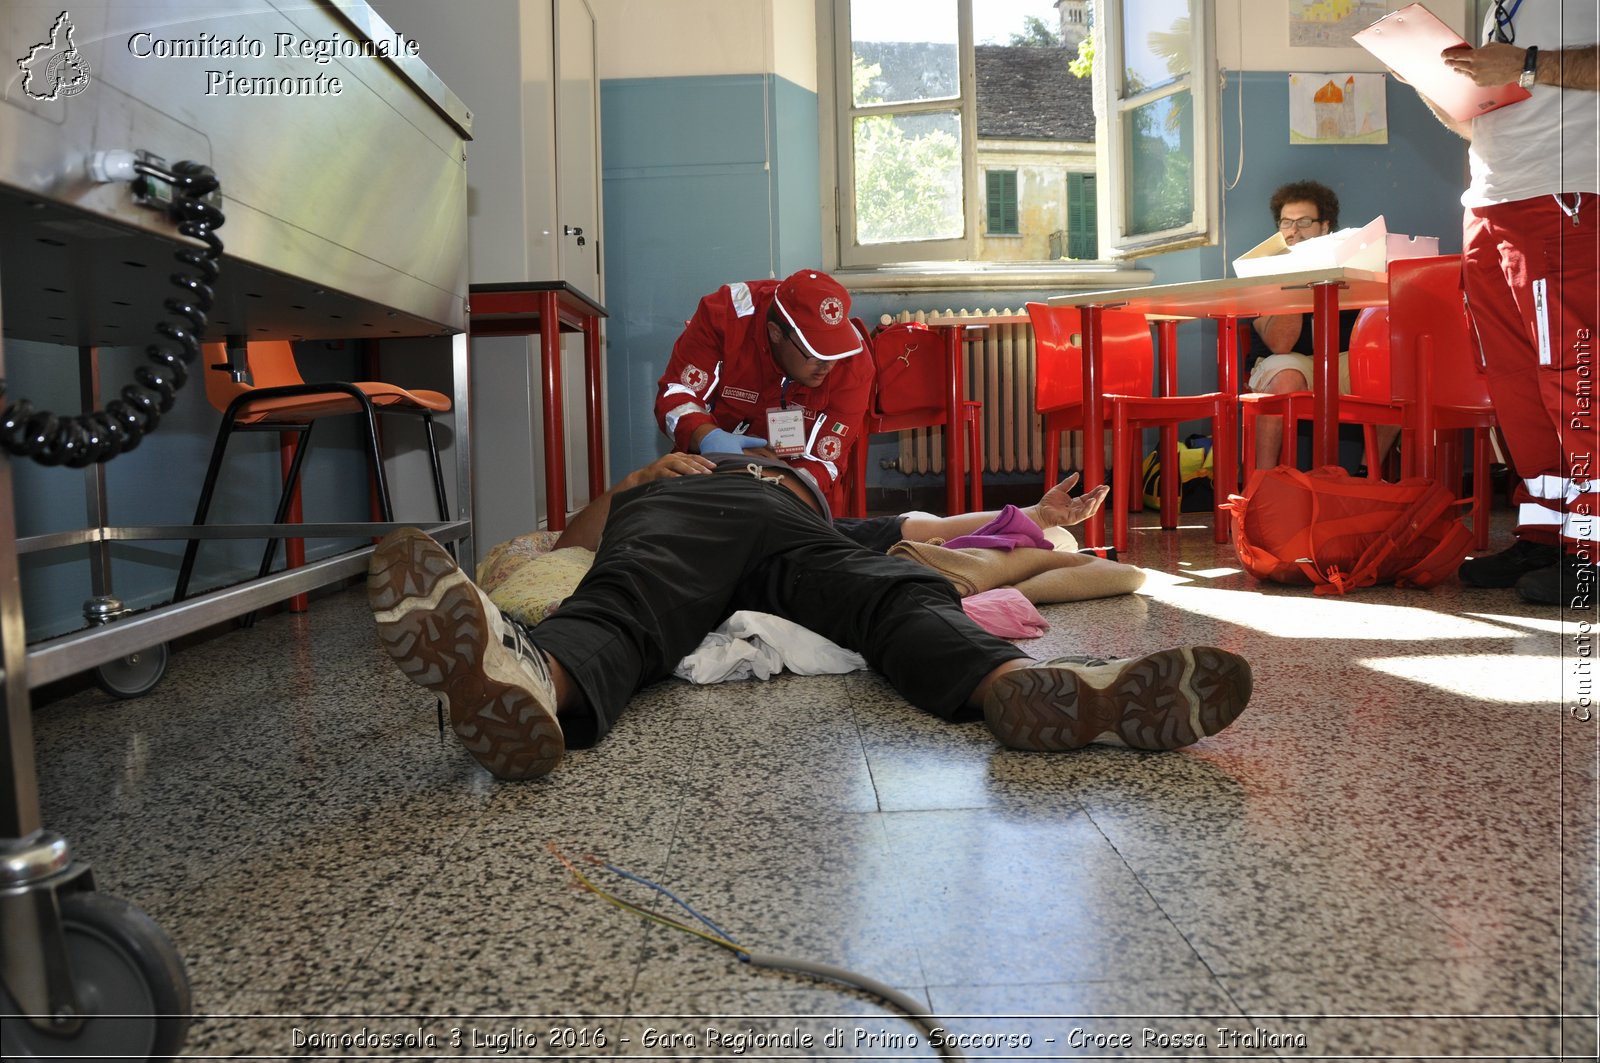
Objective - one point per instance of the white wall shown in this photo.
(1254, 35)
(703, 38)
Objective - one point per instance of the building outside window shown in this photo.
(935, 98)
(1000, 190)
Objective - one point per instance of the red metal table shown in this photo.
(550, 308)
(1227, 301)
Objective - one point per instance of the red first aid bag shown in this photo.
(1339, 533)
(910, 364)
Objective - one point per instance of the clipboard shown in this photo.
(1409, 41)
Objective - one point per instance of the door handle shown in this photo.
(572, 230)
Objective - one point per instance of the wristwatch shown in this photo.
(1530, 68)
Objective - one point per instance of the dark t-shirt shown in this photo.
(1256, 348)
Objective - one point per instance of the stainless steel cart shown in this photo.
(342, 164)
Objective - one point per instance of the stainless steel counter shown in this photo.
(343, 173)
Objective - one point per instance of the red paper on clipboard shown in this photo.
(1409, 42)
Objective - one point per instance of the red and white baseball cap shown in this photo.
(818, 311)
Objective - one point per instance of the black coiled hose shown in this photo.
(101, 435)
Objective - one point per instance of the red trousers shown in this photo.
(1532, 274)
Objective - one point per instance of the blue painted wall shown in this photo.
(707, 180)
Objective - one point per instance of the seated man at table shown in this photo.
(1278, 357)
(681, 553)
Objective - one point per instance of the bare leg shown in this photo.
(1387, 434)
(1269, 430)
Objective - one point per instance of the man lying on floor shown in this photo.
(679, 553)
(1003, 563)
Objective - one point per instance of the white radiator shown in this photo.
(999, 373)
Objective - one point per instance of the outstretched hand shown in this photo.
(1059, 508)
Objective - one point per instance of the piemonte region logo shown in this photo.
(55, 69)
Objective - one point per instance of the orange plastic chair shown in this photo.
(1372, 400)
(273, 397)
(1130, 405)
(855, 477)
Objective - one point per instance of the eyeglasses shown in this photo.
(1285, 224)
(1504, 31)
(790, 338)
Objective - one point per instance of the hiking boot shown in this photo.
(1569, 583)
(1509, 565)
(448, 636)
(1162, 700)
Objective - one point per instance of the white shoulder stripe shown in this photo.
(744, 303)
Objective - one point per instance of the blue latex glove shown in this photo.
(717, 441)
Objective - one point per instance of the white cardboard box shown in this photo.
(1370, 247)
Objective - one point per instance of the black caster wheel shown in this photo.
(135, 675)
(132, 989)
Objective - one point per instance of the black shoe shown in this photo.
(1509, 565)
(1569, 583)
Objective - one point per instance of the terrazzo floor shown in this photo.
(1391, 854)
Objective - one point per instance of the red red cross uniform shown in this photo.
(723, 373)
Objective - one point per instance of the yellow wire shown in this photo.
(644, 913)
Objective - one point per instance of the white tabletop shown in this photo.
(1278, 293)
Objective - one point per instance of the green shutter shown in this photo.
(1083, 239)
(1000, 190)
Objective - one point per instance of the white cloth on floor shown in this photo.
(753, 645)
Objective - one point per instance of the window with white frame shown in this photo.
(930, 98)
(1154, 101)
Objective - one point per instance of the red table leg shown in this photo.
(1325, 388)
(294, 550)
(597, 446)
(1171, 478)
(1094, 422)
(1224, 443)
(955, 452)
(555, 451)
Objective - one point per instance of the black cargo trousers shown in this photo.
(678, 556)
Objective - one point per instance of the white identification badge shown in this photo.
(786, 431)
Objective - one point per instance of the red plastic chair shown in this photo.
(1437, 360)
(879, 421)
(1413, 364)
(1372, 400)
(275, 398)
(1130, 405)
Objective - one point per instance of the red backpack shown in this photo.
(1339, 533)
(910, 363)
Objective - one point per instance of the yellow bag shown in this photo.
(1196, 495)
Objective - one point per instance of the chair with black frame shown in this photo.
(259, 388)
